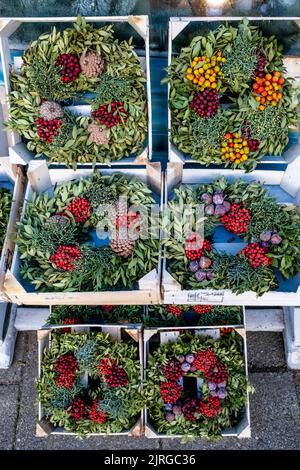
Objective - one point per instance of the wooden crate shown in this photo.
(19, 154)
(43, 427)
(292, 64)
(166, 335)
(281, 184)
(15, 181)
(41, 178)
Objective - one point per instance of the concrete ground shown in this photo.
(275, 413)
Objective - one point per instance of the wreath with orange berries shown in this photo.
(230, 101)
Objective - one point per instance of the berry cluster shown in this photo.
(268, 89)
(261, 63)
(195, 245)
(205, 360)
(174, 310)
(108, 308)
(110, 115)
(206, 71)
(77, 409)
(114, 375)
(225, 331)
(202, 309)
(190, 408)
(48, 129)
(128, 220)
(215, 204)
(256, 255)
(170, 391)
(65, 257)
(211, 407)
(235, 148)
(237, 219)
(172, 370)
(96, 414)
(70, 321)
(66, 366)
(205, 103)
(70, 67)
(80, 207)
(217, 373)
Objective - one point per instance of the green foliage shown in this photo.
(44, 78)
(229, 352)
(120, 314)
(208, 135)
(5, 203)
(112, 88)
(62, 397)
(53, 234)
(86, 355)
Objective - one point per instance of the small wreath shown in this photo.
(110, 403)
(56, 235)
(193, 315)
(79, 314)
(61, 69)
(271, 230)
(214, 394)
(5, 204)
(229, 99)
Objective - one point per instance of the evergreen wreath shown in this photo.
(193, 315)
(55, 236)
(210, 403)
(111, 401)
(270, 229)
(5, 204)
(230, 101)
(79, 65)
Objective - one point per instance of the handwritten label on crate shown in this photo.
(205, 296)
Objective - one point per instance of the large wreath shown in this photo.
(110, 403)
(5, 204)
(64, 68)
(270, 229)
(230, 101)
(181, 407)
(57, 239)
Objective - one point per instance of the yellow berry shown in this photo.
(214, 85)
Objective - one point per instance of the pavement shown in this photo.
(274, 408)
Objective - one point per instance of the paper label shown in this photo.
(205, 296)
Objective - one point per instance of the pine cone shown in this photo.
(98, 135)
(58, 219)
(92, 64)
(50, 110)
(122, 246)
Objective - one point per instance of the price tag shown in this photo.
(205, 296)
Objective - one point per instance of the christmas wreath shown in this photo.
(5, 204)
(270, 229)
(202, 315)
(75, 314)
(196, 386)
(57, 236)
(80, 65)
(230, 101)
(111, 400)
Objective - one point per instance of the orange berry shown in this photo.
(281, 80)
(262, 100)
(277, 74)
(261, 107)
(264, 93)
(268, 77)
(279, 95)
(269, 98)
(275, 79)
(261, 89)
(255, 86)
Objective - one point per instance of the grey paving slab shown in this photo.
(8, 415)
(275, 418)
(14, 373)
(265, 351)
(25, 432)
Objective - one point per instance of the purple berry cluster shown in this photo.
(215, 203)
(269, 237)
(205, 103)
(218, 390)
(260, 65)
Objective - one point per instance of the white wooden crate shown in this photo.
(40, 179)
(19, 154)
(44, 428)
(292, 64)
(166, 335)
(284, 186)
(17, 181)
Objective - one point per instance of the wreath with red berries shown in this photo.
(87, 66)
(229, 99)
(192, 315)
(109, 401)
(270, 230)
(61, 248)
(196, 386)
